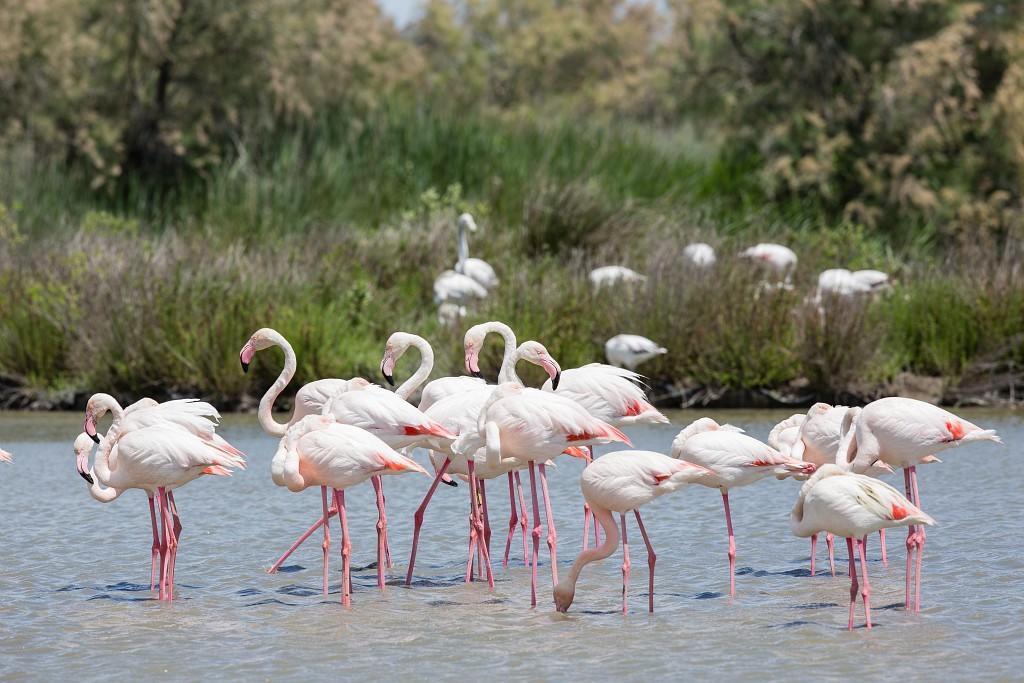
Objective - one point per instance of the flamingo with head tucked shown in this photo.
(735, 460)
(622, 482)
(631, 350)
(852, 505)
(903, 433)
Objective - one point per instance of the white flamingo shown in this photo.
(631, 350)
(608, 276)
(475, 268)
(699, 254)
(775, 257)
(852, 505)
(622, 482)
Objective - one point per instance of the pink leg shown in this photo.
(513, 520)
(625, 565)
(920, 536)
(907, 602)
(651, 559)
(478, 525)
(176, 537)
(830, 542)
(536, 537)
(486, 517)
(732, 544)
(587, 514)
(552, 533)
(418, 518)
(156, 544)
(524, 518)
(326, 545)
(473, 545)
(853, 581)
(165, 520)
(597, 527)
(865, 591)
(346, 550)
(881, 544)
(301, 539)
(814, 550)
(382, 522)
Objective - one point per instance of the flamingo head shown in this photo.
(83, 447)
(819, 409)
(97, 407)
(397, 345)
(259, 340)
(564, 593)
(466, 222)
(474, 344)
(534, 352)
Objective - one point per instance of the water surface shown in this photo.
(74, 598)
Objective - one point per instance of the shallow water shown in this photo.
(74, 596)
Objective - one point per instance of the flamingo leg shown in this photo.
(552, 533)
(920, 536)
(301, 539)
(524, 518)
(881, 543)
(732, 544)
(165, 556)
(472, 530)
(626, 564)
(865, 591)
(176, 536)
(651, 559)
(382, 522)
(586, 508)
(326, 545)
(513, 520)
(597, 527)
(156, 543)
(346, 550)
(853, 581)
(907, 604)
(418, 518)
(830, 541)
(486, 517)
(478, 526)
(814, 550)
(536, 537)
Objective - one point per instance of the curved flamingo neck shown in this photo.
(266, 411)
(422, 372)
(98, 492)
(507, 373)
(611, 542)
(463, 248)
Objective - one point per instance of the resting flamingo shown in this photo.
(459, 413)
(699, 254)
(852, 505)
(158, 448)
(621, 482)
(319, 451)
(775, 257)
(631, 350)
(475, 268)
(533, 426)
(735, 460)
(609, 276)
(902, 433)
(309, 400)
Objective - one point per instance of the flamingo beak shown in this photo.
(246, 354)
(90, 427)
(387, 367)
(82, 462)
(553, 370)
(473, 363)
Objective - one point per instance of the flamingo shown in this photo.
(610, 394)
(902, 433)
(449, 314)
(609, 276)
(620, 482)
(319, 451)
(309, 400)
(5, 456)
(157, 448)
(631, 350)
(396, 346)
(455, 288)
(852, 505)
(782, 260)
(874, 280)
(699, 254)
(533, 426)
(735, 460)
(840, 282)
(475, 268)
(459, 413)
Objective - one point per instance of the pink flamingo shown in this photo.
(318, 451)
(309, 400)
(5, 456)
(620, 482)
(852, 505)
(531, 425)
(902, 433)
(611, 394)
(396, 346)
(459, 413)
(735, 460)
(156, 448)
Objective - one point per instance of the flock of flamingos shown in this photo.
(344, 432)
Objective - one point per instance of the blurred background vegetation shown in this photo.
(176, 173)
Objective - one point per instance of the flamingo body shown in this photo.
(630, 350)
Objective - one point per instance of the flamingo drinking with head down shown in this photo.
(852, 505)
(622, 482)
(903, 433)
(533, 426)
(734, 459)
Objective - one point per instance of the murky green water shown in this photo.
(74, 598)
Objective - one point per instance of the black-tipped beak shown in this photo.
(95, 437)
(477, 374)
(554, 380)
(450, 482)
(86, 476)
(245, 366)
(390, 379)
